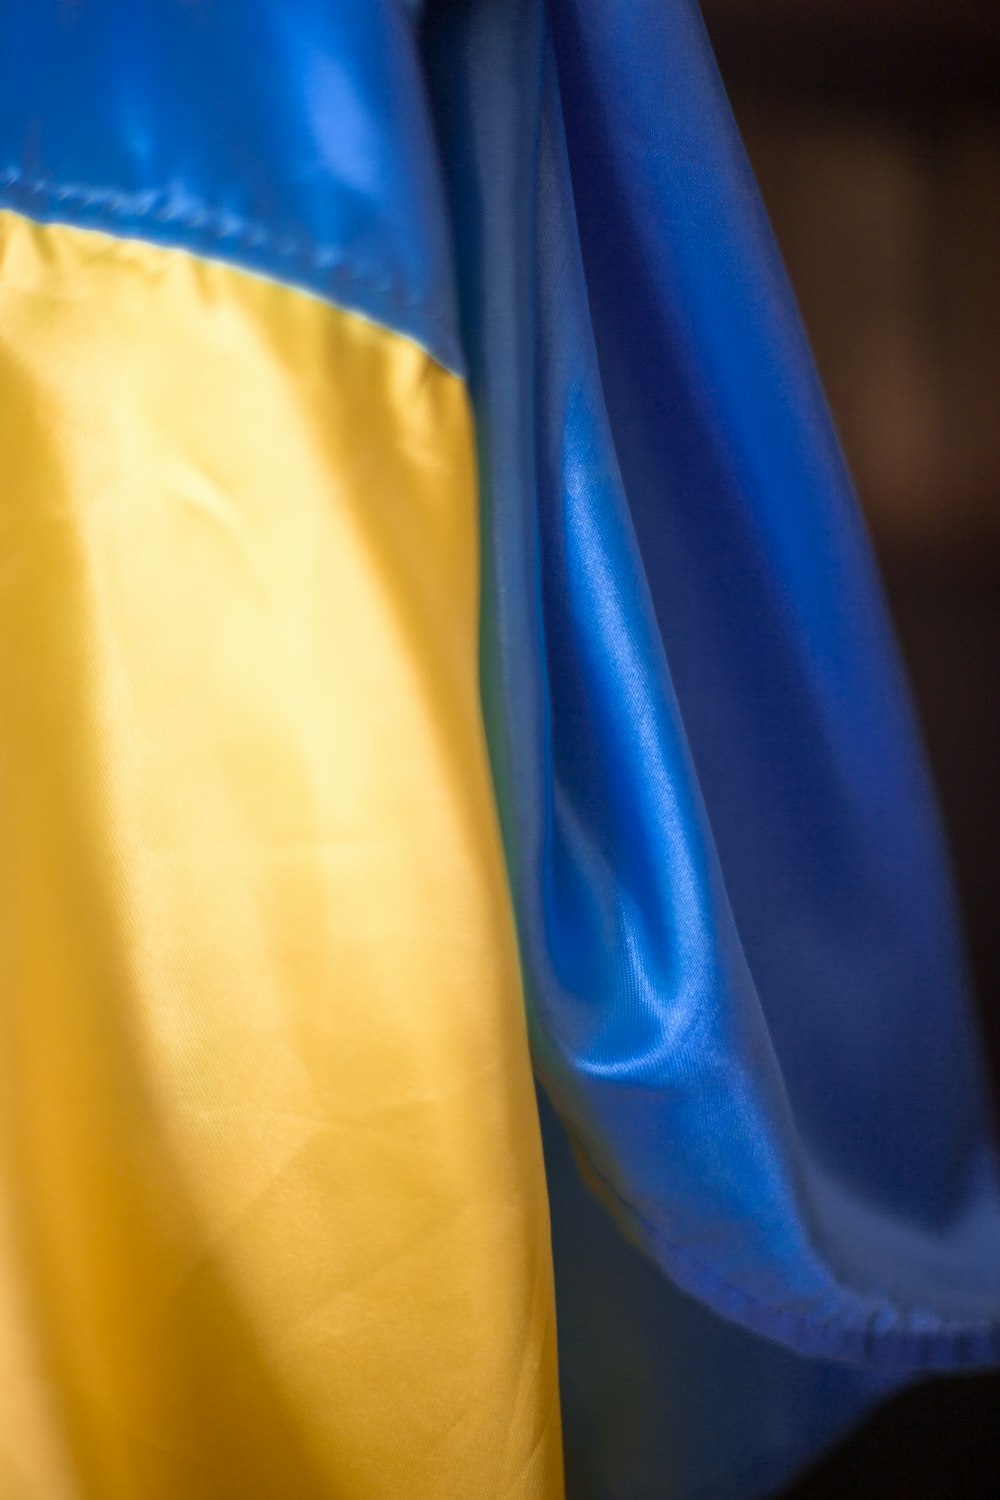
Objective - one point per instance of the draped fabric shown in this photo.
(743, 976)
(746, 993)
(270, 1146)
(372, 375)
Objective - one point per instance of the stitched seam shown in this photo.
(138, 208)
(921, 1337)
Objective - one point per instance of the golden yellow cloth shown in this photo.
(273, 1218)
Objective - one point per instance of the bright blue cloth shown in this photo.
(289, 137)
(746, 992)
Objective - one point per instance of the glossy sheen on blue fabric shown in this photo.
(289, 137)
(745, 988)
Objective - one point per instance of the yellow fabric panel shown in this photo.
(274, 1216)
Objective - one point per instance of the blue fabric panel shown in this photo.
(746, 992)
(287, 136)
(663, 1398)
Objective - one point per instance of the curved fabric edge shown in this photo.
(308, 156)
(702, 1409)
(857, 1335)
(649, 1030)
(269, 1137)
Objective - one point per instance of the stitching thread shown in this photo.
(248, 234)
(961, 1337)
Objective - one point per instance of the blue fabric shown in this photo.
(745, 988)
(662, 1399)
(287, 136)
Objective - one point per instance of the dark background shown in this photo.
(874, 130)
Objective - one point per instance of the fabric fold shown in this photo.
(744, 982)
(274, 1202)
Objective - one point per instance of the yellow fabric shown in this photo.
(273, 1218)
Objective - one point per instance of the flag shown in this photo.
(438, 644)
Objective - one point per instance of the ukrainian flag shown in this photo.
(436, 638)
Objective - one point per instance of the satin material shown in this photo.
(272, 1177)
(290, 137)
(661, 1396)
(745, 989)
